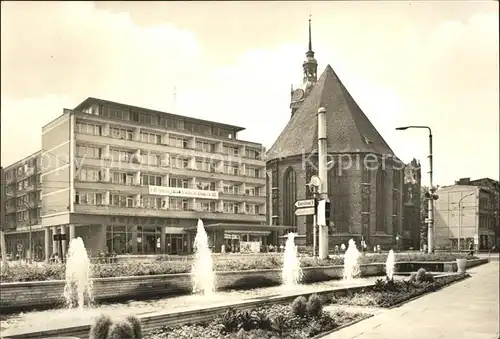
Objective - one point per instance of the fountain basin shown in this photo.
(196, 313)
(19, 296)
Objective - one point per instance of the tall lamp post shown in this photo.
(460, 219)
(431, 196)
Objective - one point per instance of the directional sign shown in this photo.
(304, 211)
(59, 237)
(304, 203)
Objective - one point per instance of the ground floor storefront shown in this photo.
(121, 239)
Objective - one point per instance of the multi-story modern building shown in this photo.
(132, 180)
(22, 204)
(468, 210)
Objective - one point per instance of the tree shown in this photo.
(424, 208)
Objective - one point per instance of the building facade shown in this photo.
(468, 210)
(130, 180)
(22, 206)
(365, 178)
(412, 203)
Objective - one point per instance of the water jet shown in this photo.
(351, 265)
(202, 271)
(291, 272)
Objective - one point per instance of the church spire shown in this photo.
(310, 38)
(310, 65)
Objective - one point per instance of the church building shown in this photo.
(366, 180)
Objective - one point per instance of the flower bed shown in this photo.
(43, 272)
(301, 319)
(388, 293)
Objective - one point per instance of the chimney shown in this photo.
(463, 181)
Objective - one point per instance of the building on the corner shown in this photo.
(413, 220)
(365, 177)
(22, 206)
(131, 180)
(468, 209)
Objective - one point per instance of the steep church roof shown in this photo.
(348, 128)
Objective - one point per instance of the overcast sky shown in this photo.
(431, 63)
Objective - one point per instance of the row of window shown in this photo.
(122, 178)
(32, 215)
(486, 221)
(154, 159)
(155, 138)
(27, 168)
(177, 204)
(24, 184)
(157, 120)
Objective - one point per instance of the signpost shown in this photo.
(305, 207)
(305, 211)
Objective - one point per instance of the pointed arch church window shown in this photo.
(289, 197)
(380, 189)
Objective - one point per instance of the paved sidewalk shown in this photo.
(468, 309)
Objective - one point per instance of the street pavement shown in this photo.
(467, 309)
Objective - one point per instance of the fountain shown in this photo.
(202, 272)
(78, 275)
(389, 265)
(351, 265)
(291, 272)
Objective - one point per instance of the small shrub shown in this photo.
(247, 321)
(314, 328)
(121, 330)
(421, 274)
(314, 306)
(428, 277)
(279, 324)
(136, 326)
(299, 306)
(379, 285)
(100, 328)
(263, 320)
(229, 320)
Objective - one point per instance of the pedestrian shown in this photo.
(342, 247)
(471, 248)
(336, 249)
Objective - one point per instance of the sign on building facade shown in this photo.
(183, 192)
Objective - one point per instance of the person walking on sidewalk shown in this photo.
(471, 248)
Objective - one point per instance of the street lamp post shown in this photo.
(460, 219)
(432, 197)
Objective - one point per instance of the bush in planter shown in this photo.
(104, 328)
(421, 276)
(299, 306)
(314, 306)
(121, 330)
(100, 328)
(229, 320)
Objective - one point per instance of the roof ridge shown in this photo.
(348, 128)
